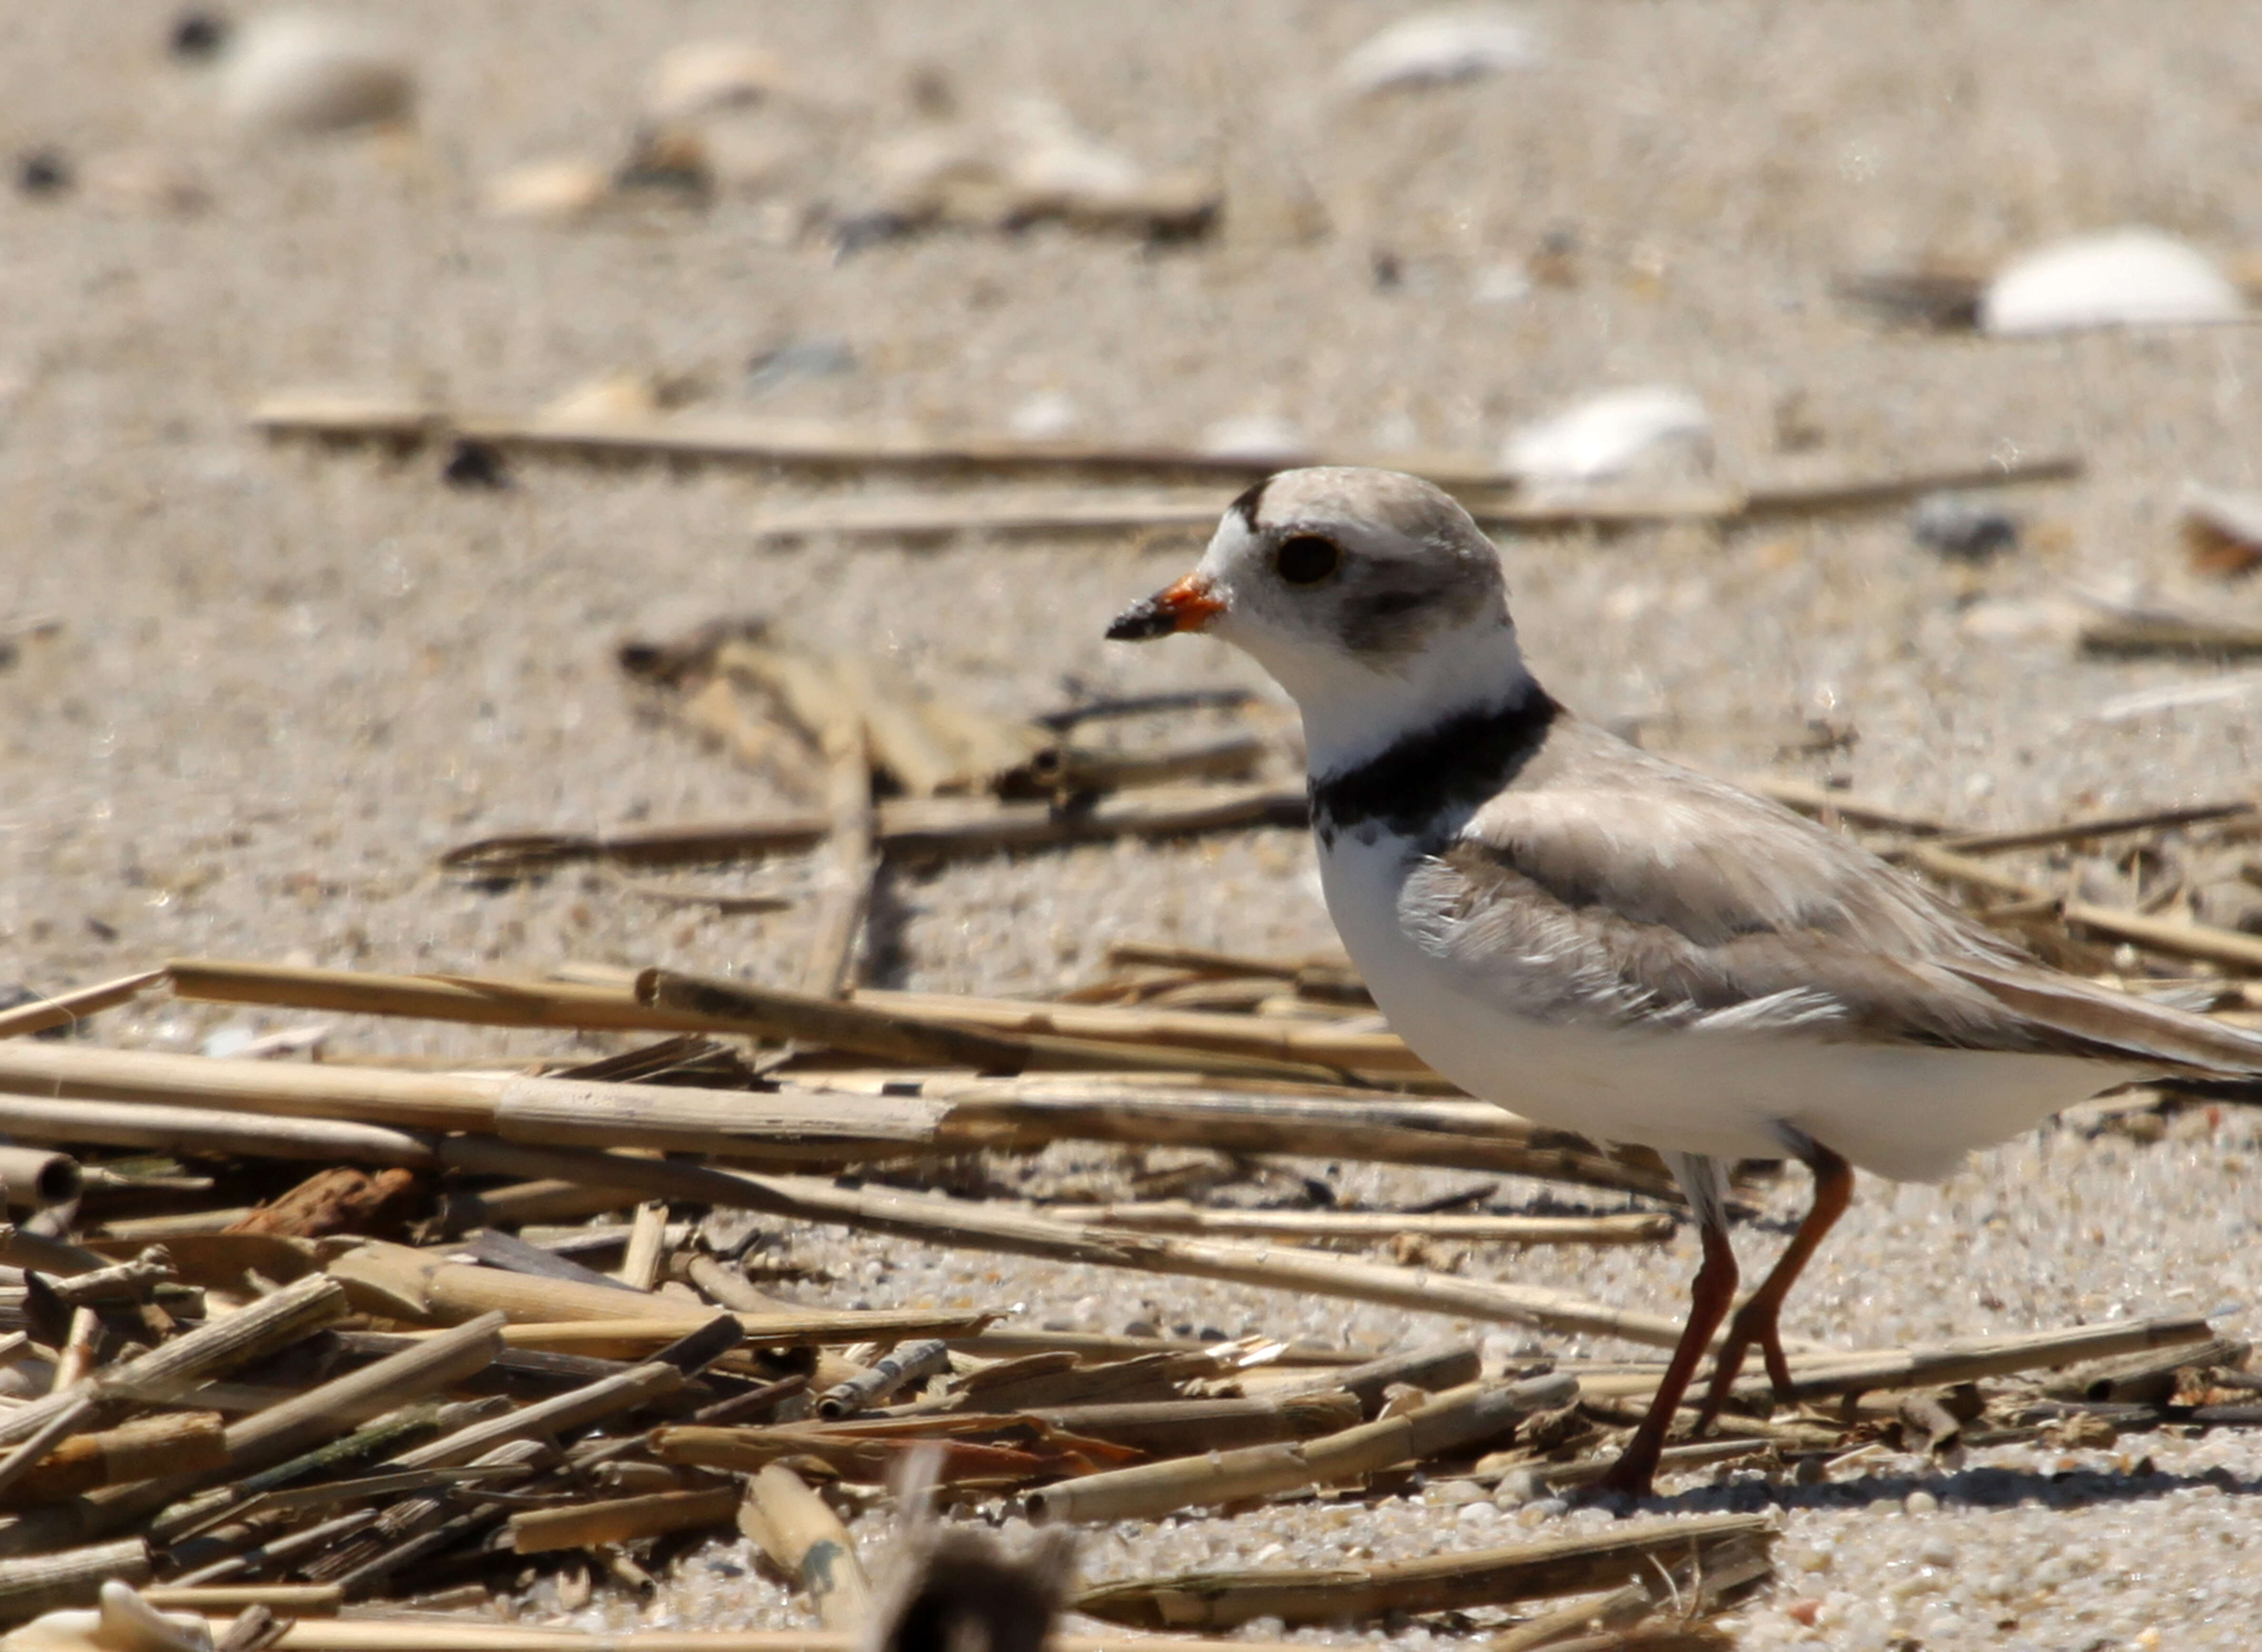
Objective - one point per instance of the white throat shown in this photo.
(1353, 711)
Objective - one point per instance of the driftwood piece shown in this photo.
(341, 1200)
(35, 1584)
(176, 1442)
(1446, 1583)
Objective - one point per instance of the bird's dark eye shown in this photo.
(1306, 559)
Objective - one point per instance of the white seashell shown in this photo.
(1032, 162)
(309, 72)
(123, 1622)
(1045, 416)
(704, 76)
(1655, 427)
(2128, 278)
(1259, 438)
(1434, 48)
(555, 190)
(614, 397)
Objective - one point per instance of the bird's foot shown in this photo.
(1628, 1481)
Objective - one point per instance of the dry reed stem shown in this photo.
(1177, 1217)
(1446, 1583)
(852, 853)
(425, 1634)
(35, 1584)
(860, 1027)
(917, 826)
(1492, 501)
(1452, 1421)
(67, 1009)
(621, 1519)
(806, 1540)
(954, 1223)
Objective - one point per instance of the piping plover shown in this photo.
(1602, 940)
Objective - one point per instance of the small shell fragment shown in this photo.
(1435, 48)
(1654, 428)
(1258, 438)
(2128, 278)
(559, 189)
(1030, 164)
(123, 1622)
(2222, 531)
(704, 77)
(306, 73)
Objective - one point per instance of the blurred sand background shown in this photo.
(283, 679)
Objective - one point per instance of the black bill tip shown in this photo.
(1142, 622)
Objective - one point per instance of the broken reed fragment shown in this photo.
(803, 1537)
(935, 827)
(1455, 1421)
(865, 1028)
(1445, 1583)
(1490, 492)
(911, 1364)
(954, 1222)
(621, 1519)
(69, 1009)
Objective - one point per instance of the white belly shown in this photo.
(1901, 1110)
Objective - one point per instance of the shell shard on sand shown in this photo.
(1650, 429)
(2127, 277)
(306, 73)
(1435, 48)
(567, 187)
(704, 77)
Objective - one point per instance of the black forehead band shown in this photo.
(1250, 503)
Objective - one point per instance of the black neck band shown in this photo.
(1415, 784)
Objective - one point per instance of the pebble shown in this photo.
(1957, 526)
(1921, 1502)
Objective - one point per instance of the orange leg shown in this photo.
(1756, 1322)
(1710, 1298)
